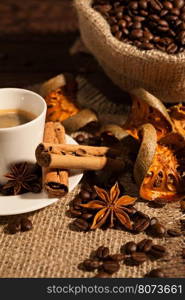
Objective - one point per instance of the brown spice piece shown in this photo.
(13, 227)
(26, 224)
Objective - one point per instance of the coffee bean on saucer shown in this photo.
(102, 252)
(81, 224)
(139, 257)
(144, 245)
(158, 230)
(158, 273)
(13, 227)
(26, 224)
(111, 266)
(80, 138)
(173, 233)
(158, 251)
(91, 264)
(130, 247)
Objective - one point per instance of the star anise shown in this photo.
(110, 206)
(21, 178)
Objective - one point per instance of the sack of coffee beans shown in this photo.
(141, 45)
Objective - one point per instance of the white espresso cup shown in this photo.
(19, 143)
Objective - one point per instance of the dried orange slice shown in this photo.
(177, 115)
(159, 166)
(146, 108)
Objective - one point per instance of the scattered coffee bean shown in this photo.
(91, 264)
(158, 273)
(26, 224)
(81, 224)
(130, 247)
(102, 252)
(159, 202)
(139, 257)
(154, 221)
(111, 266)
(102, 275)
(86, 216)
(158, 251)
(75, 213)
(117, 257)
(173, 233)
(85, 195)
(158, 230)
(141, 225)
(14, 227)
(144, 245)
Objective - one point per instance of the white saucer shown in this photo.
(13, 205)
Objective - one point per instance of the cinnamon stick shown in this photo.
(46, 159)
(55, 180)
(78, 150)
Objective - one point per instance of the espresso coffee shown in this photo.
(14, 117)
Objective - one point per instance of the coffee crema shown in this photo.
(14, 117)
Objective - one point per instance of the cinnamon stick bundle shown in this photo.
(55, 179)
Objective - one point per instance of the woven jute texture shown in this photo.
(53, 249)
(161, 74)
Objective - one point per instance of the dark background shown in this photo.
(35, 38)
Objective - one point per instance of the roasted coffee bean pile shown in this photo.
(19, 224)
(146, 24)
(106, 264)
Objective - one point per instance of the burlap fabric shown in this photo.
(54, 249)
(161, 74)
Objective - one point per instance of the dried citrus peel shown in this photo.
(147, 109)
(157, 166)
(177, 115)
(60, 105)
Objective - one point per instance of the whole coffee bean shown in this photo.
(143, 4)
(158, 273)
(80, 138)
(168, 5)
(136, 25)
(147, 46)
(102, 252)
(148, 35)
(85, 195)
(156, 5)
(144, 245)
(118, 35)
(91, 264)
(86, 216)
(117, 257)
(158, 230)
(133, 5)
(181, 37)
(154, 221)
(172, 48)
(163, 12)
(130, 247)
(179, 3)
(26, 224)
(122, 23)
(81, 224)
(158, 251)
(159, 202)
(115, 28)
(175, 11)
(102, 275)
(75, 213)
(141, 225)
(173, 233)
(139, 257)
(111, 266)
(14, 227)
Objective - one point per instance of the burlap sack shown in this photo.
(159, 73)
